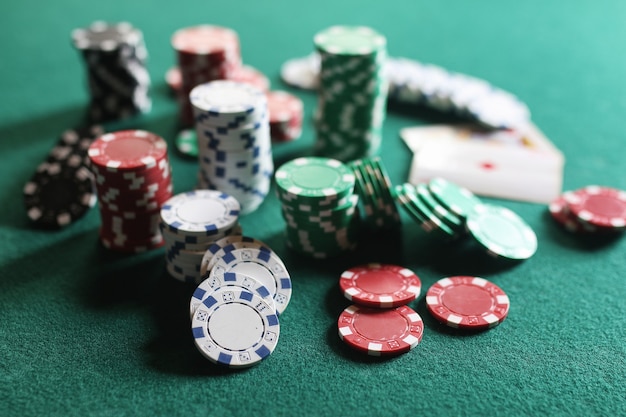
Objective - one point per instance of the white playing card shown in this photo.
(501, 164)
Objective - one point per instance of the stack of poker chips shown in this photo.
(133, 179)
(592, 209)
(62, 189)
(190, 223)
(450, 212)
(352, 92)
(319, 206)
(285, 112)
(115, 56)
(380, 322)
(376, 198)
(251, 287)
(234, 144)
(204, 53)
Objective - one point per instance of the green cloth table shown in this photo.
(87, 332)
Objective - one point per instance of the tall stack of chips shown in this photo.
(133, 179)
(234, 145)
(191, 222)
(318, 205)
(352, 92)
(115, 56)
(205, 53)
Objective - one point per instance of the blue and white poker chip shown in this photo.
(230, 279)
(201, 212)
(264, 266)
(230, 242)
(235, 327)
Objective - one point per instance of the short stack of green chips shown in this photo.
(379, 211)
(450, 212)
(318, 205)
(352, 92)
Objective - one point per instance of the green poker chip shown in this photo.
(427, 220)
(452, 220)
(349, 40)
(187, 142)
(501, 232)
(457, 199)
(314, 178)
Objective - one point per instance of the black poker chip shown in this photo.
(58, 195)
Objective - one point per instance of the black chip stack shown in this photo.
(115, 56)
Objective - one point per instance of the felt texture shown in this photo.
(87, 332)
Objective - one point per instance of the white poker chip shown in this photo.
(235, 327)
(227, 103)
(263, 266)
(302, 72)
(230, 279)
(233, 242)
(201, 212)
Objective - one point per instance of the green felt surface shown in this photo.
(87, 332)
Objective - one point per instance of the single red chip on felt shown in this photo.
(467, 302)
(380, 332)
(380, 285)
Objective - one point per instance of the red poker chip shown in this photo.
(380, 332)
(466, 302)
(127, 150)
(120, 243)
(250, 75)
(380, 285)
(204, 39)
(286, 114)
(174, 79)
(599, 206)
(559, 210)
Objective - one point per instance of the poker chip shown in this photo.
(466, 302)
(502, 232)
(133, 179)
(375, 194)
(264, 266)
(235, 328)
(187, 143)
(314, 178)
(590, 210)
(285, 113)
(598, 206)
(249, 75)
(204, 53)
(190, 223)
(352, 92)
(380, 332)
(115, 58)
(216, 251)
(56, 196)
(62, 188)
(318, 205)
(454, 198)
(234, 144)
(302, 72)
(380, 285)
(232, 280)
(174, 80)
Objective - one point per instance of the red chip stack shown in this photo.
(205, 53)
(285, 116)
(133, 180)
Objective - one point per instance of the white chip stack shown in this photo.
(234, 144)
